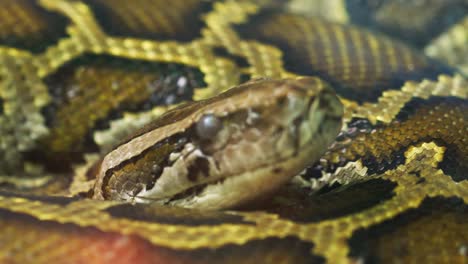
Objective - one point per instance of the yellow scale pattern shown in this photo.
(329, 236)
(451, 46)
(102, 95)
(443, 121)
(26, 71)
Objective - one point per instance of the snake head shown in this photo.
(227, 150)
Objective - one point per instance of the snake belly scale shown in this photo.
(189, 131)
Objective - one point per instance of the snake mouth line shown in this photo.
(185, 195)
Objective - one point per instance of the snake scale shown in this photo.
(103, 161)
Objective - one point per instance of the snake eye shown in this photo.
(208, 126)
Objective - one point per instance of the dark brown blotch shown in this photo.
(200, 166)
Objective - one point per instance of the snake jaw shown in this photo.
(281, 126)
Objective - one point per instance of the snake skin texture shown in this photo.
(76, 77)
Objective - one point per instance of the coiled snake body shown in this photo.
(334, 144)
